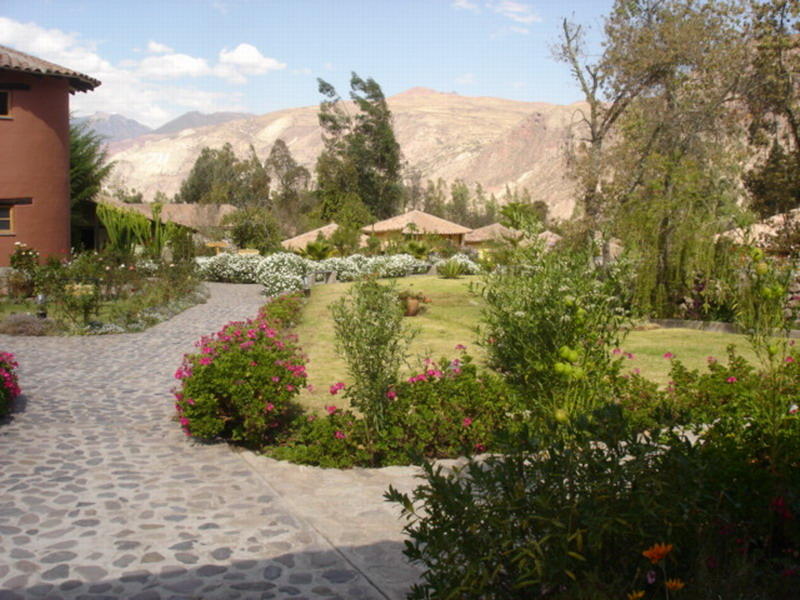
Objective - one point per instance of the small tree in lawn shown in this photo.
(371, 336)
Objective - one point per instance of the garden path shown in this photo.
(102, 497)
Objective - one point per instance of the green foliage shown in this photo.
(241, 384)
(87, 167)
(125, 228)
(761, 307)
(569, 514)
(254, 227)
(361, 156)
(373, 339)
(446, 410)
(451, 269)
(550, 322)
(319, 249)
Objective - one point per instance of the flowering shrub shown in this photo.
(446, 410)
(240, 384)
(283, 271)
(9, 388)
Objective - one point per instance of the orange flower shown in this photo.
(673, 585)
(637, 595)
(657, 552)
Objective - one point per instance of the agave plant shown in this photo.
(317, 250)
(451, 269)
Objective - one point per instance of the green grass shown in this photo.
(452, 318)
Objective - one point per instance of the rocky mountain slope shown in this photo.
(491, 141)
(112, 127)
(195, 119)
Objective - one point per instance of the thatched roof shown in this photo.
(423, 222)
(299, 242)
(491, 233)
(759, 233)
(192, 216)
(14, 60)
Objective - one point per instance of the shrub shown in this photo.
(549, 323)
(468, 266)
(450, 269)
(241, 384)
(571, 516)
(283, 272)
(9, 387)
(229, 268)
(449, 409)
(370, 334)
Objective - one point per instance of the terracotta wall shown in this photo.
(34, 163)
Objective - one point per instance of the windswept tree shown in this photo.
(88, 169)
(361, 155)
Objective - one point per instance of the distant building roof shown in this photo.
(14, 60)
(493, 232)
(193, 216)
(299, 242)
(423, 222)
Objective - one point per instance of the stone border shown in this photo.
(713, 326)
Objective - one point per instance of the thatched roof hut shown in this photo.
(417, 224)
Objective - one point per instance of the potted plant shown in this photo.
(412, 302)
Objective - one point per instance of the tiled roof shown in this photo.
(14, 60)
(423, 222)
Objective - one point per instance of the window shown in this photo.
(5, 104)
(6, 219)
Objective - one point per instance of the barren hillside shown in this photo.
(490, 141)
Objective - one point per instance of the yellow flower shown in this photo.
(657, 552)
(637, 595)
(673, 585)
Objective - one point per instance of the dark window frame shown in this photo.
(8, 96)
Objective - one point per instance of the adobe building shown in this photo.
(34, 152)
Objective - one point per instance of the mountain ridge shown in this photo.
(495, 142)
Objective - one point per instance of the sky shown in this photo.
(160, 59)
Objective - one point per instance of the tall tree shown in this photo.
(88, 169)
(361, 155)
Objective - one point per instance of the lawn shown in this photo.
(452, 318)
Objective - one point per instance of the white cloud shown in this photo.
(134, 88)
(518, 29)
(173, 66)
(247, 60)
(466, 5)
(516, 11)
(158, 48)
(465, 79)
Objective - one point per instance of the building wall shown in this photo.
(34, 163)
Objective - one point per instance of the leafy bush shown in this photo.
(447, 410)
(450, 269)
(283, 272)
(549, 323)
(229, 268)
(241, 384)
(578, 514)
(371, 336)
(9, 387)
(468, 266)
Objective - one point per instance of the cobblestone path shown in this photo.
(102, 497)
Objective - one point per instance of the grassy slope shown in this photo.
(452, 318)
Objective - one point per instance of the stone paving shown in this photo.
(102, 497)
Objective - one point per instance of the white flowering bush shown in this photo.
(469, 267)
(283, 272)
(395, 265)
(347, 268)
(230, 268)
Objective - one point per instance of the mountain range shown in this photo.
(491, 141)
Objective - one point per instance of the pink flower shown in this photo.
(731, 379)
(651, 577)
(711, 359)
(331, 409)
(466, 422)
(480, 447)
(668, 355)
(269, 407)
(789, 359)
(391, 394)
(253, 363)
(206, 360)
(184, 421)
(336, 388)
(246, 345)
(628, 355)
(339, 435)
(461, 347)
(275, 379)
(616, 351)
(290, 388)
(793, 409)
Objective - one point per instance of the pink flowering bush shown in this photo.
(447, 409)
(241, 382)
(9, 388)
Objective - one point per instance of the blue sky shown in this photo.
(159, 59)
